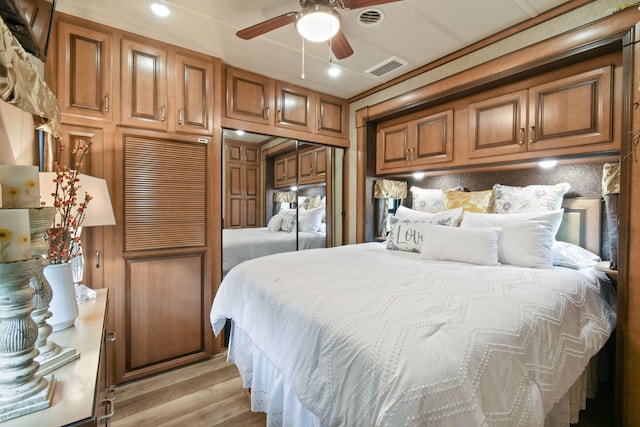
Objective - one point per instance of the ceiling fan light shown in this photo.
(318, 23)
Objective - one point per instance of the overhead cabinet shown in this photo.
(285, 170)
(569, 112)
(258, 99)
(312, 164)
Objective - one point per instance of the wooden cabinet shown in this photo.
(312, 165)
(568, 112)
(249, 96)
(242, 185)
(285, 170)
(144, 84)
(28, 21)
(272, 103)
(331, 116)
(424, 141)
(85, 71)
(157, 96)
(295, 107)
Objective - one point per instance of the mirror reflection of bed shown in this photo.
(279, 196)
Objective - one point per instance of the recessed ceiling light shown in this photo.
(547, 164)
(239, 132)
(334, 71)
(160, 9)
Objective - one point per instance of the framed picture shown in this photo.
(581, 223)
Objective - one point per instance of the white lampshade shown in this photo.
(318, 23)
(99, 211)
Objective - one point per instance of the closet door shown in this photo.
(162, 315)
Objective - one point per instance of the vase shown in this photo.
(63, 307)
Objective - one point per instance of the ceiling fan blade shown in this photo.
(340, 46)
(357, 4)
(266, 26)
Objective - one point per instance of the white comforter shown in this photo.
(241, 244)
(366, 336)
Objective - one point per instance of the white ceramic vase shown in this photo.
(64, 306)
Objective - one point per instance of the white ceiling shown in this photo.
(415, 31)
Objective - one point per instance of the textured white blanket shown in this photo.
(367, 336)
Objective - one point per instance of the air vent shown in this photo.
(370, 17)
(390, 65)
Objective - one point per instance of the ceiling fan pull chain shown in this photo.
(302, 76)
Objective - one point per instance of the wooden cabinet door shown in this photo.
(393, 146)
(312, 165)
(331, 116)
(251, 195)
(293, 107)
(497, 126)
(144, 85)
(433, 139)
(285, 172)
(572, 111)
(234, 186)
(249, 96)
(194, 95)
(85, 78)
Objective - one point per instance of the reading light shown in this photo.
(547, 164)
(418, 175)
(318, 23)
(160, 9)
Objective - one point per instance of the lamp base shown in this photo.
(50, 362)
(37, 402)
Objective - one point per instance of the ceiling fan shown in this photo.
(318, 21)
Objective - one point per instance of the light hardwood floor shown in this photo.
(207, 393)
(210, 394)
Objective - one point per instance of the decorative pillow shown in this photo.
(568, 255)
(288, 220)
(310, 219)
(532, 198)
(525, 239)
(474, 201)
(303, 202)
(427, 199)
(406, 234)
(470, 245)
(314, 202)
(275, 223)
(451, 217)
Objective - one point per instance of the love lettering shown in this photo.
(408, 235)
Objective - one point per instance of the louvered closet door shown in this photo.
(165, 252)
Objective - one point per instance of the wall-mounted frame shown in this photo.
(581, 223)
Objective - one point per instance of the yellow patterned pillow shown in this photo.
(474, 201)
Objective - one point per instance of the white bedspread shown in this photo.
(241, 244)
(365, 336)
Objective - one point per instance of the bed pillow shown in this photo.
(275, 223)
(314, 202)
(532, 198)
(288, 220)
(309, 220)
(525, 240)
(427, 199)
(450, 217)
(406, 234)
(470, 245)
(474, 201)
(568, 255)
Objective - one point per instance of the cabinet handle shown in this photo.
(319, 124)
(163, 112)
(521, 142)
(532, 134)
(413, 153)
(106, 104)
(110, 337)
(97, 259)
(406, 154)
(180, 117)
(107, 403)
(268, 113)
(279, 115)
(111, 394)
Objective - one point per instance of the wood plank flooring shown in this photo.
(210, 394)
(207, 393)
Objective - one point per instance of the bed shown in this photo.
(242, 244)
(362, 335)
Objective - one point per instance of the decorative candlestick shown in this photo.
(22, 391)
(15, 240)
(51, 356)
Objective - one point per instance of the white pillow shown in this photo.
(470, 245)
(451, 216)
(568, 255)
(310, 219)
(407, 234)
(525, 239)
(532, 198)
(427, 199)
(275, 223)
